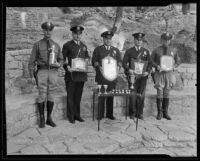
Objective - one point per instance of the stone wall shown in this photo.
(17, 79)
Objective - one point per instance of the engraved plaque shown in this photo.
(166, 63)
(79, 65)
(138, 66)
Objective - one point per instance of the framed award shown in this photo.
(109, 66)
(79, 65)
(139, 66)
(166, 63)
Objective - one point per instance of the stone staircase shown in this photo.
(21, 111)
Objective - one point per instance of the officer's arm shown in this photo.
(95, 62)
(65, 57)
(119, 59)
(149, 65)
(177, 60)
(125, 62)
(60, 57)
(32, 60)
(153, 59)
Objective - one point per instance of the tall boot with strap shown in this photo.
(49, 111)
(159, 108)
(41, 113)
(165, 108)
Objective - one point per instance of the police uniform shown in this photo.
(100, 53)
(164, 80)
(136, 104)
(46, 75)
(74, 80)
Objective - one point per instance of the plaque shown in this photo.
(79, 65)
(166, 63)
(138, 66)
(109, 66)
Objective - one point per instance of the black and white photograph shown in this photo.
(114, 80)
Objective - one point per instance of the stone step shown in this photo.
(21, 111)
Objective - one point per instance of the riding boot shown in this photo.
(41, 113)
(165, 108)
(159, 108)
(49, 111)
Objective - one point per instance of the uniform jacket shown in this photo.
(70, 51)
(40, 53)
(99, 53)
(160, 51)
(142, 54)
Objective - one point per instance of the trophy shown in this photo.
(132, 81)
(99, 87)
(105, 87)
(52, 59)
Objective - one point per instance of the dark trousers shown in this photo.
(137, 102)
(74, 94)
(108, 101)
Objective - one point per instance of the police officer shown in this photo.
(164, 80)
(47, 74)
(74, 80)
(136, 104)
(99, 53)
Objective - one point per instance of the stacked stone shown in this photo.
(188, 74)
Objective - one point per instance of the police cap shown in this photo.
(77, 29)
(138, 35)
(107, 34)
(47, 26)
(166, 36)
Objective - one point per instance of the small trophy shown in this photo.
(99, 87)
(105, 87)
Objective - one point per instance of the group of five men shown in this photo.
(46, 75)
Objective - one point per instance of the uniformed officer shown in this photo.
(74, 80)
(99, 53)
(164, 80)
(47, 74)
(136, 104)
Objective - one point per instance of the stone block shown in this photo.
(191, 70)
(57, 148)
(194, 76)
(187, 76)
(34, 149)
(192, 83)
(15, 73)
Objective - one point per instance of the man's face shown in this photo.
(47, 33)
(107, 40)
(138, 42)
(165, 42)
(76, 36)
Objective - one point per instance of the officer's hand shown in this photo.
(158, 68)
(145, 74)
(101, 69)
(61, 71)
(56, 64)
(33, 81)
(69, 68)
(131, 71)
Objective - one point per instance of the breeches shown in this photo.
(47, 82)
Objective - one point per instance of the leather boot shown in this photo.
(165, 108)
(41, 113)
(159, 108)
(49, 111)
